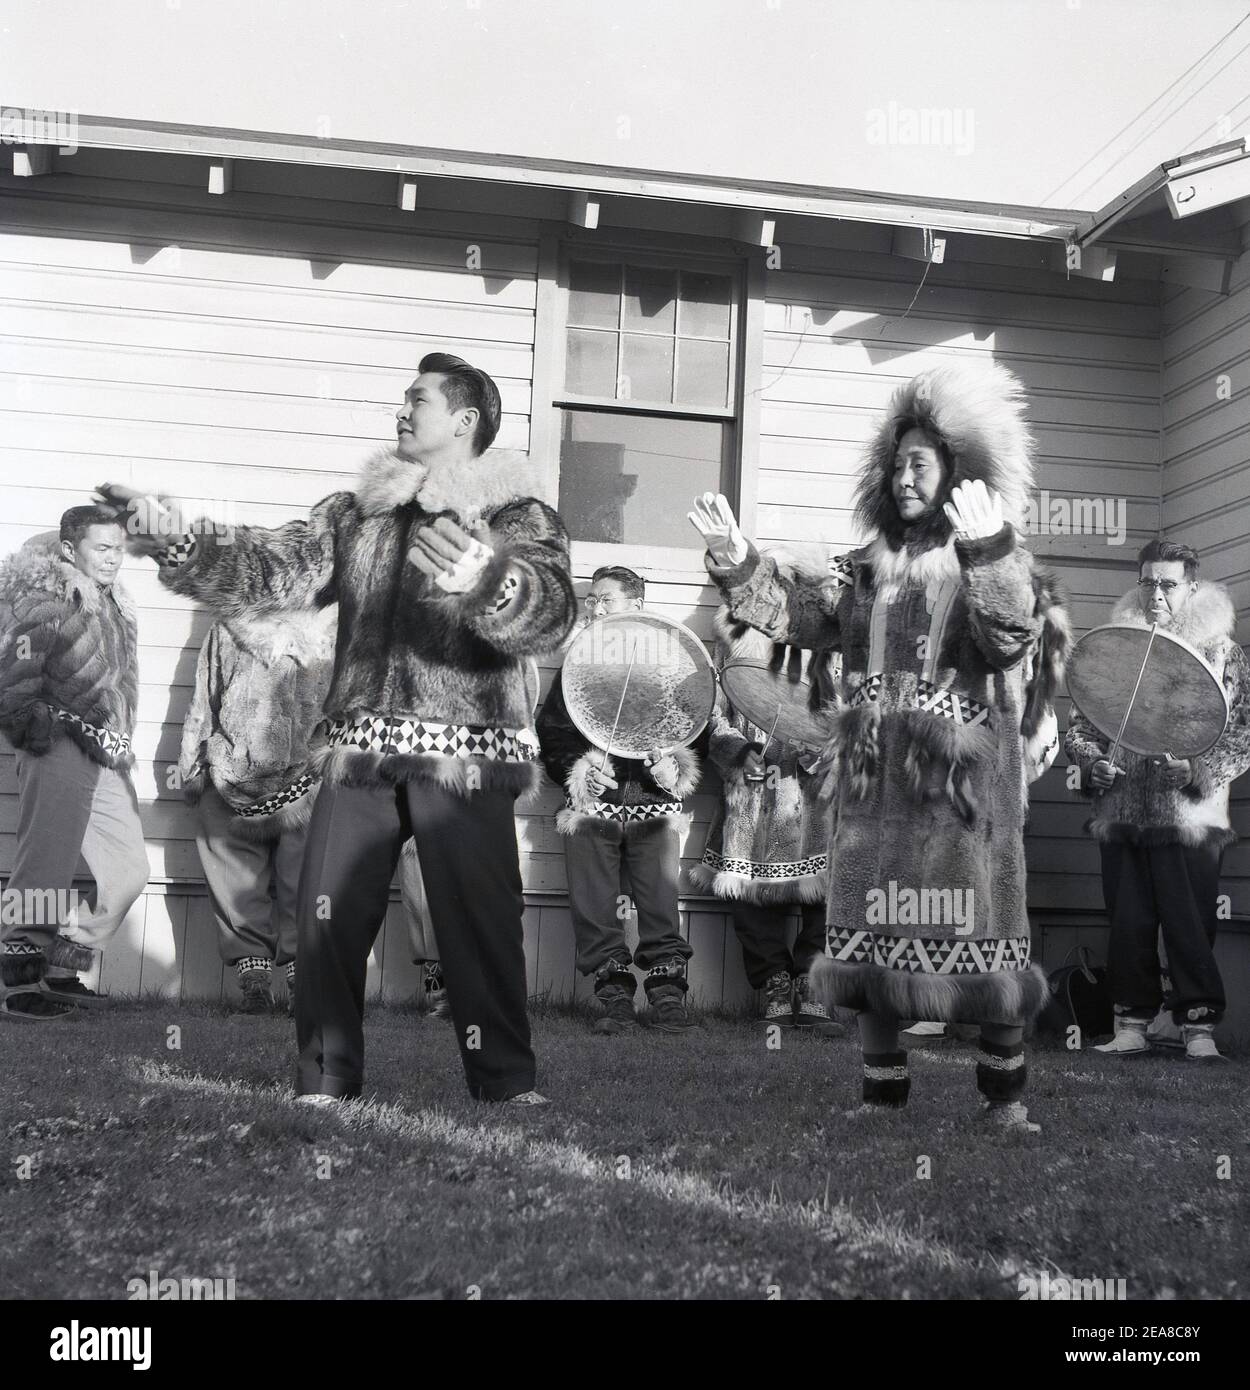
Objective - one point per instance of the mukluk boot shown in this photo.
(22, 999)
(1001, 1078)
(887, 1084)
(614, 990)
(1129, 1039)
(1199, 1039)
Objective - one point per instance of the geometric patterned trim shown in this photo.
(605, 810)
(111, 742)
(885, 1073)
(177, 552)
(928, 955)
(841, 570)
(507, 592)
(929, 697)
(383, 734)
(253, 963)
(1002, 1063)
(753, 869)
(279, 799)
(21, 950)
(950, 704)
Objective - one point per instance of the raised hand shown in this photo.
(713, 519)
(600, 781)
(974, 511)
(1104, 773)
(663, 768)
(152, 522)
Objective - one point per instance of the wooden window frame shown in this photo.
(558, 243)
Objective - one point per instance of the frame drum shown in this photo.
(765, 696)
(670, 691)
(1181, 707)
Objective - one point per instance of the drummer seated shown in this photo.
(1162, 822)
(622, 813)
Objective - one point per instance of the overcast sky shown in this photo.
(1040, 101)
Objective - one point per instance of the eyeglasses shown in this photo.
(590, 602)
(1167, 585)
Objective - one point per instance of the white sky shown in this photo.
(791, 90)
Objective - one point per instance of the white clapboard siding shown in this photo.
(837, 342)
(1206, 466)
(247, 353)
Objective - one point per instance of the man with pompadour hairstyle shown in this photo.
(449, 575)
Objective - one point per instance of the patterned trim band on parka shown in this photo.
(384, 734)
(109, 740)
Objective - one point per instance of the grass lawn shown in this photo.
(697, 1167)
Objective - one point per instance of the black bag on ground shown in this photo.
(1080, 996)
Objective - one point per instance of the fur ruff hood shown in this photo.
(978, 414)
(388, 482)
(1208, 619)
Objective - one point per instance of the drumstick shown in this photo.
(619, 707)
(759, 777)
(1154, 627)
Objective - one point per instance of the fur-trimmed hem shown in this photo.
(1000, 996)
(768, 892)
(295, 815)
(355, 767)
(1192, 837)
(570, 822)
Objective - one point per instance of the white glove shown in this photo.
(664, 769)
(713, 519)
(974, 511)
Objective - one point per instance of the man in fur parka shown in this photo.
(937, 619)
(622, 813)
(69, 687)
(448, 575)
(259, 687)
(766, 850)
(1162, 824)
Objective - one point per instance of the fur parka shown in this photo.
(427, 685)
(1139, 808)
(259, 689)
(768, 842)
(66, 643)
(938, 637)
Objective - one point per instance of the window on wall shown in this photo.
(647, 395)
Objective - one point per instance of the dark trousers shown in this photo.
(651, 855)
(1175, 887)
(761, 929)
(468, 854)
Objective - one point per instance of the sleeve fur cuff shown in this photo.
(578, 783)
(688, 772)
(732, 575)
(986, 549)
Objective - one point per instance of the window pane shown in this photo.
(594, 294)
(702, 372)
(705, 305)
(646, 368)
(630, 478)
(591, 367)
(650, 299)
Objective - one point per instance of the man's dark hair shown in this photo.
(1163, 551)
(632, 585)
(76, 522)
(466, 387)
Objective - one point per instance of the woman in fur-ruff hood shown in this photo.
(939, 619)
